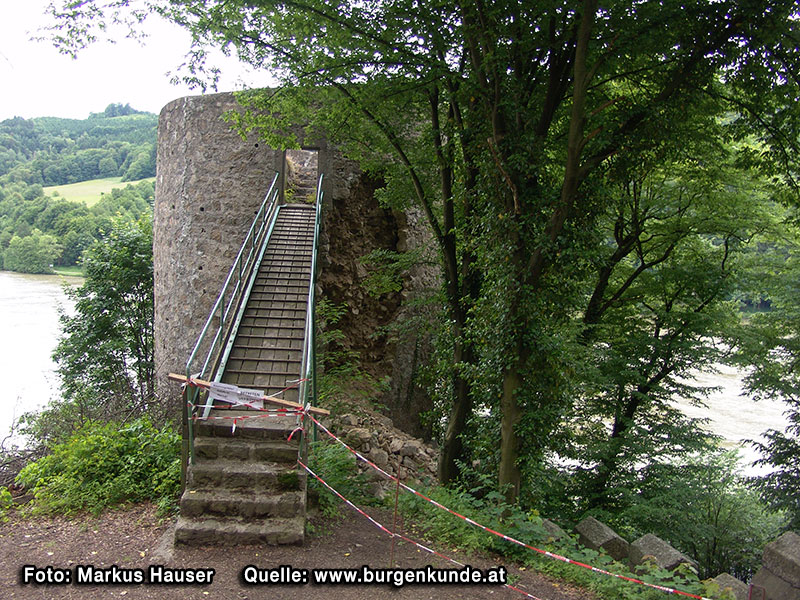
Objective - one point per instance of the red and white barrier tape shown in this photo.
(390, 533)
(502, 535)
(261, 413)
(295, 384)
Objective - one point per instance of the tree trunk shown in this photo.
(453, 445)
(511, 414)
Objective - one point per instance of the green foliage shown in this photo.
(769, 349)
(702, 507)
(591, 175)
(387, 269)
(48, 230)
(5, 503)
(116, 110)
(488, 508)
(53, 151)
(482, 505)
(613, 588)
(336, 466)
(106, 464)
(31, 254)
(50, 152)
(105, 353)
(340, 377)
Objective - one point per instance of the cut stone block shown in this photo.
(599, 536)
(779, 574)
(775, 587)
(232, 532)
(554, 532)
(726, 581)
(782, 557)
(665, 555)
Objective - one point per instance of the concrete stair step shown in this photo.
(252, 476)
(247, 451)
(232, 531)
(249, 424)
(247, 504)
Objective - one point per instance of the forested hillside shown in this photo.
(37, 230)
(119, 142)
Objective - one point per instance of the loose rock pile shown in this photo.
(396, 452)
(374, 436)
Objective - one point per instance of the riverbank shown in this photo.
(29, 310)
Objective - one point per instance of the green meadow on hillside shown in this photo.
(89, 192)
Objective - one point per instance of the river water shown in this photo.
(29, 330)
(734, 416)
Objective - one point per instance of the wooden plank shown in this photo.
(271, 399)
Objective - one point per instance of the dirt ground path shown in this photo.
(133, 539)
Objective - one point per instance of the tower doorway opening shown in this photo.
(301, 172)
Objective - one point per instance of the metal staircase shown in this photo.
(243, 485)
(267, 352)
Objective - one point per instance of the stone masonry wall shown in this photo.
(209, 186)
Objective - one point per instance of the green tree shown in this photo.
(107, 167)
(769, 349)
(105, 354)
(75, 243)
(500, 122)
(35, 253)
(142, 166)
(661, 310)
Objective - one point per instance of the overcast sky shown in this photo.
(37, 81)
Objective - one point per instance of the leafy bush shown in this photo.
(489, 510)
(336, 466)
(103, 465)
(613, 588)
(340, 377)
(5, 503)
(703, 508)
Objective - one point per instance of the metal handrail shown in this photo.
(224, 309)
(308, 368)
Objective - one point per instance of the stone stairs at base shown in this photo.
(245, 489)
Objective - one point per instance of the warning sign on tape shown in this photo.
(232, 394)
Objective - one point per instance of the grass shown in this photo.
(89, 192)
(74, 271)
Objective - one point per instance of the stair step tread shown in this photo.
(245, 347)
(228, 465)
(287, 374)
(209, 450)
(250, 424)
(275, 326)
(234, 489)
(229, 496)
(266, 354)
(244, 364)
(261, 337)
(232, 531)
